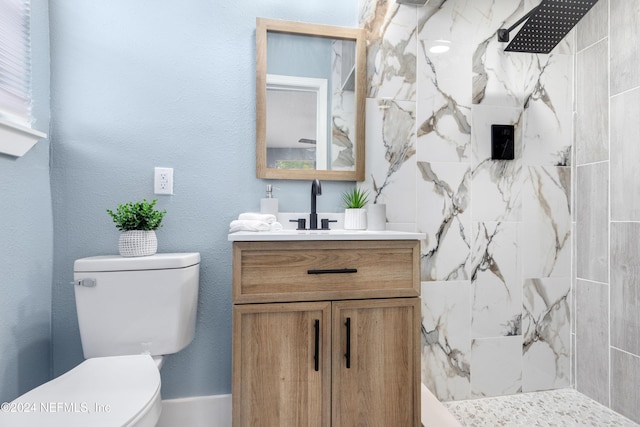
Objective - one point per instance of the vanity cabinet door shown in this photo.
(281, 364)
(376, 363)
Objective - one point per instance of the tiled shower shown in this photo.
(505, 310)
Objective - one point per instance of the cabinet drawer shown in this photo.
(322, 270)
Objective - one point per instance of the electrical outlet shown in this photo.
(163, 181)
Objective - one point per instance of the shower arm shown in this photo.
(503, 34)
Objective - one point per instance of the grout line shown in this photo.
(592, 163)
(592, 281)
(609, 403)
(626, 91)
(625, 352)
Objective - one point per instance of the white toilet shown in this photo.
(131, 312)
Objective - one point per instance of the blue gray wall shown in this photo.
(162, 83)
(26, 241)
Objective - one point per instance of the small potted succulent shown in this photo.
(138, 222)
(355, 216)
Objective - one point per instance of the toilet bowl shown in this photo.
(131, 312)
(100, 392)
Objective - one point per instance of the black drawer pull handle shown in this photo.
(347, 355)
(333, 271)
(316, 355)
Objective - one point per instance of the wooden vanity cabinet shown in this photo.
(346, 354)
(275, 378)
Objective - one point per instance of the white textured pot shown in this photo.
(355, 219)
(138, 243)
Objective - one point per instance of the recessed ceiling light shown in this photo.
(440, 48)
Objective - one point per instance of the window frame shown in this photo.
(16, 133)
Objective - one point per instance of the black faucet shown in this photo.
(316, 189)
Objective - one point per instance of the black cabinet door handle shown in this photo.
(347, 355)
(316, 354)
(333, 271)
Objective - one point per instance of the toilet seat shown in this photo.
(102, 391)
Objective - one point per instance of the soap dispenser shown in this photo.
(269, 205)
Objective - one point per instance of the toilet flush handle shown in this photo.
(88, 283)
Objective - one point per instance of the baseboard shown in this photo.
(201, 411)
(215, 411)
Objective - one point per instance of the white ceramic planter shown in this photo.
(138, 243)
(355, 219)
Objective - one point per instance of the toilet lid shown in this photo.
(103, 391)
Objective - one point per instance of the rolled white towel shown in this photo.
(276, 226)
(248, 225)
(253, 225)
(252, 216)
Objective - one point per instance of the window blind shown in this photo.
(15, 61)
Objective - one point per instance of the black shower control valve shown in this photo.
(502, 142)
(302, 223)
(324, 223)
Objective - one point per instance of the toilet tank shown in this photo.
(134, 305)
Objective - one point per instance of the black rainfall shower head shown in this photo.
(547, 25)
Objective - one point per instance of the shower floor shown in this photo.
(565, 407)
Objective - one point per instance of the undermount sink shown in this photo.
(336, 231)
(338, 234)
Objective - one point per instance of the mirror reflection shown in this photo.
(310, 101)
(296, 122)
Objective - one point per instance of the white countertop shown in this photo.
(284, 235)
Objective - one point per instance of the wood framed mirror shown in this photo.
(310, 101)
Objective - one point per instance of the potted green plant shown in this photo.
(138, 222)
(355, 215)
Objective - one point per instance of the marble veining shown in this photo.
(497, 76)
(495, 279)
(446, 343)
(496, 259)
(443, 215)
(398, 140)
(496, 366)
(444, 125)
(548, 119)
(546, 334)
(547, 216)
(390, 159)
(391, 50)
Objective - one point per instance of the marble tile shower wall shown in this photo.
(607, 219)
(496, 264)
